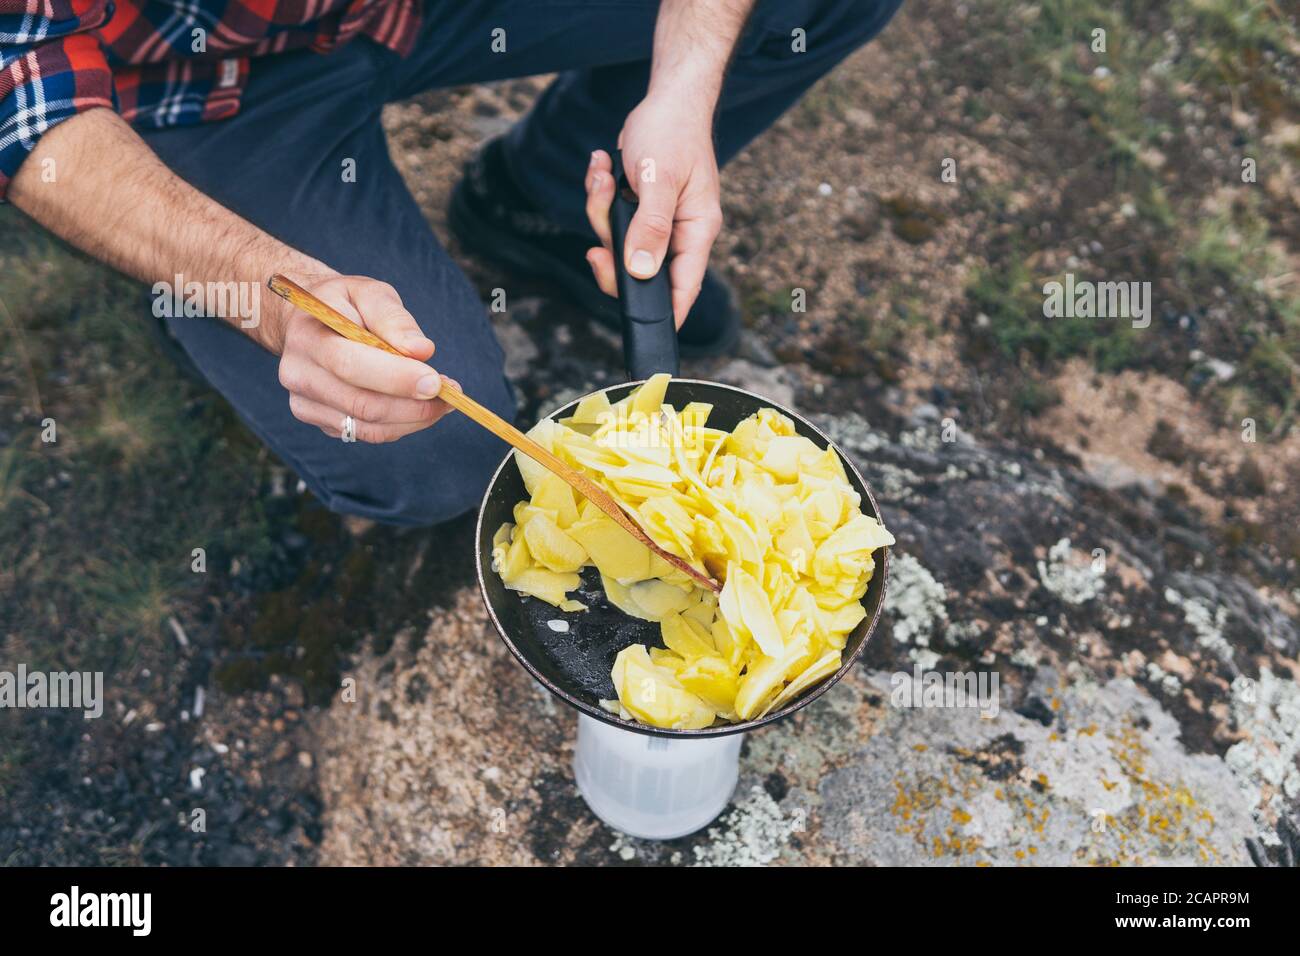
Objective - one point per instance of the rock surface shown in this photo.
(1136, 715)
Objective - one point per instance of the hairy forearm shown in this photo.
(112, 197)
(693, 43)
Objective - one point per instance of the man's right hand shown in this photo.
(329, 377)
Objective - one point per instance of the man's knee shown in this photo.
(806, 21)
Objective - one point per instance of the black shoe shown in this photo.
(491, 217)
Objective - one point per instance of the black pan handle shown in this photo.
(649, 333)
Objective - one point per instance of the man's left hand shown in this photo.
(670, 163)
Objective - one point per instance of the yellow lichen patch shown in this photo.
(761, 508)
(1165, 815)
(919, 807)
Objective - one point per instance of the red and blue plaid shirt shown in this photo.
(160, 62)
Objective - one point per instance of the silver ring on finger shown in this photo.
(349, 429)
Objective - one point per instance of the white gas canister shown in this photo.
(655, 788)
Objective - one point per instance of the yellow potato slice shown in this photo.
(740, 541)
(544, 434)
(762, 682)
(711, 679)
(621, 597)
(650, 396)
(743, 437)
(684, 640)
(695, 414)
(824, 667)
(730, 648)
(592, 410)
(703, 612)
(616, 553)
(550, 546)
(644, 473)
(554, 495)
(844, 619)
(785, 454)
(706, 537)
(653, 695)
(746, 609)
(517, 559)
(658, 599)
(666, 658)
(548, 586)
(501, 546)
(794, 541)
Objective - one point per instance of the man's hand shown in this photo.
(667, 147)
(329, 377)
(673, 171)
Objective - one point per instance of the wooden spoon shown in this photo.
(287, 289)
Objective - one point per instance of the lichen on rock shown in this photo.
(916, 602)
(1267, 711)
(1073, 582)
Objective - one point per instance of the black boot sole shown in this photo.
(482, 238)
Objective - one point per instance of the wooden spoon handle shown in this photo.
(453, 396)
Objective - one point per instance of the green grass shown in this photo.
(1112, 104)
(1123, 123)
(96, 529)
(1235, 247)
(1240, 26)
(1011, 299)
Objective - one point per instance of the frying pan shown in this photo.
(574, 662)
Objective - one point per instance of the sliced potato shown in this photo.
(554, 495)
(591, 409)
(761, 507)
(684, 640)
(551, 547)
(653, 694)
(549, 586)
(613, 550)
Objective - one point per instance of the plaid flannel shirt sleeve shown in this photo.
(51, 68)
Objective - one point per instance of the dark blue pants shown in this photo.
(278, 164)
